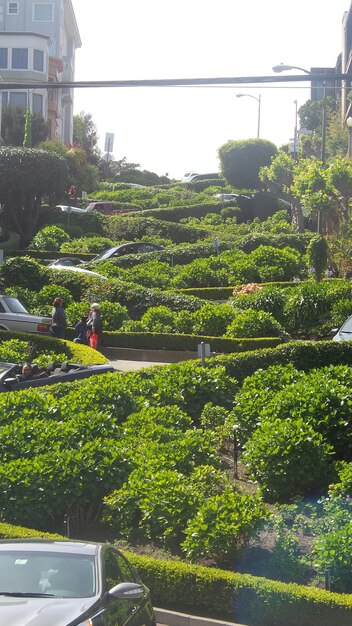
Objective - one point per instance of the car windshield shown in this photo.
(47, 573)
(103, 255)
(347, 327)
(14, 305)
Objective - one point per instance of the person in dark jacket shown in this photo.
(58, 317)
(81, 331)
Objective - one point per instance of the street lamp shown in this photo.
(284, 68)
(258, 99)
(349, 126)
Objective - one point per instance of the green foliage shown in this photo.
(46, 296)
(212, 320)
(333, 552)
(241, 161)
(276, 265)
(49, 238)
(317, 253)
(254, 323)
(23, 272)
(86, 244)
(222, 525)
(288, 459)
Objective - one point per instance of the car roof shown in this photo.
(51, 545)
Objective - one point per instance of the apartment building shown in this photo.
(38, 42)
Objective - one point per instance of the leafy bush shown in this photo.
(276, 265)
(333, 551)
(22, 272)
(212, 319)
(222, 525)
(253, 323)
(44, 299)
(49, 238)
(87, 244)
(288, 458)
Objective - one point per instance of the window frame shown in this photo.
(41, 4)
(38, 54)
(15, 6)
(5, 67)
(20, 67)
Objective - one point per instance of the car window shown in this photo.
(2, 310)
(62, 575)
(14, 305)
(347, 326)
(117, 570)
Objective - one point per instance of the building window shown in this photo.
(3, 58)
(38, 60)
(19, 58)
(18, 100)
(42, 12)
(12, 8)
(37, 103)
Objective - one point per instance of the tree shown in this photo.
(279, 176)
(85, 135)
(81, 173)
(27, 140)
(317, 252)
(13, 127)
(241, 161)
(26, 175)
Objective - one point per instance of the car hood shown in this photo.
(43, 611)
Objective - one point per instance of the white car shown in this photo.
(345, 332)
(70, 209)
(13, 316)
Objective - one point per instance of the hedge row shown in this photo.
(176, 213)
(40, 344)
(172, 341)
(218, 593)
(240, 597)
(223, 293)
(304, 355)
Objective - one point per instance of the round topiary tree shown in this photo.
(241, 161)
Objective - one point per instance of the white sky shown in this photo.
(174, 130)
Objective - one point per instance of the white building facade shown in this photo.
(38, 42)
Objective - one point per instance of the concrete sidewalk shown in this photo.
(172, 618)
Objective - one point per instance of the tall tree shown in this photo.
(85, 135)
(241, 161)
(13, 127)
(26, 175)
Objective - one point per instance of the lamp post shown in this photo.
(284, 68)
(258, 99)
(349, 126)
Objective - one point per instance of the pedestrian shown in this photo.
(58, 317)
(95, 326)
(81, 331)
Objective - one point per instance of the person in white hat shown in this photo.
(95, 326)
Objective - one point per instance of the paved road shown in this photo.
(127, 366)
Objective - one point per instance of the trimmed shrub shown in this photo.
(23, 272)
(49, 238)
(252, 323)
(287, 459)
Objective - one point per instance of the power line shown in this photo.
(178, 82)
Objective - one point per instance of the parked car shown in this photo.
(67, 261)
(133, 247)
(70, 209)
(11, 376)
(70, 583)
(75, 268)
(14, 316)
(345, 332)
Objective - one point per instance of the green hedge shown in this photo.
(172, 341)
(304, 355)
(176, 213)
(75, 352)
(13, 242)
(223, 293)
(240, 597)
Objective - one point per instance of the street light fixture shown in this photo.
(349, 126)
(285, 68)
(258, 99)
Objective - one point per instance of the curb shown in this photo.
(172, 618)
(138, 354)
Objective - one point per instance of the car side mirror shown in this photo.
(127, 591)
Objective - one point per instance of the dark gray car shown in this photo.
(70, 583)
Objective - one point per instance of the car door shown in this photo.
(116, 569)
